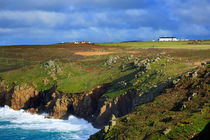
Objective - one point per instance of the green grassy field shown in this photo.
(79, 73)
(156, 44)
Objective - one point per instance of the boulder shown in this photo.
(166, 131)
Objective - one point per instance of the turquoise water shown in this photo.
(20, 125)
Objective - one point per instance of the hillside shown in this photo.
(139, 83)
(179, 112)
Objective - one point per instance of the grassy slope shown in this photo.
(81, 73)
(149, 120)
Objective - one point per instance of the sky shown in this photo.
(54, 21)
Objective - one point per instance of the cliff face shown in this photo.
(91, 106)
(58, 105)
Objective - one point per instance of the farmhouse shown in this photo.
(168, 39)
(171, 39)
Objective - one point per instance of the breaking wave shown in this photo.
(73, 128)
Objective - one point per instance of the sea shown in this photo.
(21, 125)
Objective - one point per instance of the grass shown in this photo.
(156, 44)
(22, 64)
(148, 121)
(75, 74)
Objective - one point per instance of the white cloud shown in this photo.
(6, 30)
(191, 11)
(194, 29)
(49, 19)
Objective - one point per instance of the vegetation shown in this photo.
(156, 44)
(180, 113)
(126, 66)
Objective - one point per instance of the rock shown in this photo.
(183, 107)
(126, 119)
(53, 76)
(155, 86)
(111, 60)
(17, 88)
(48, 117)
(113, 123)
(179, 106)
(58, 70)
(45, 81)
(195, 74)
(157, 59)
(122, 84)
(106, 128)
(194, 94)
(139, 74)
(166, 131)
(206, 75)
(176, 81)
(113, 117)
(189, 98)
(49, 63)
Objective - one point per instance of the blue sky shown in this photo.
(52, 21)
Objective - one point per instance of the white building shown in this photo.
(168, 39)
(171, 39)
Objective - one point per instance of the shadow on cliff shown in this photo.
(39, 102)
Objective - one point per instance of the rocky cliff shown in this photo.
(92, 105)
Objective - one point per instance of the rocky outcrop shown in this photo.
(21, 95)
(5, 96)
(57, 104)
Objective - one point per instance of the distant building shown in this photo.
(167, 39)
(77, 42)
(171, 39)
(84, 42)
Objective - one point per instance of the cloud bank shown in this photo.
(44, 21)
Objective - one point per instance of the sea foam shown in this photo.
(73, 127)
